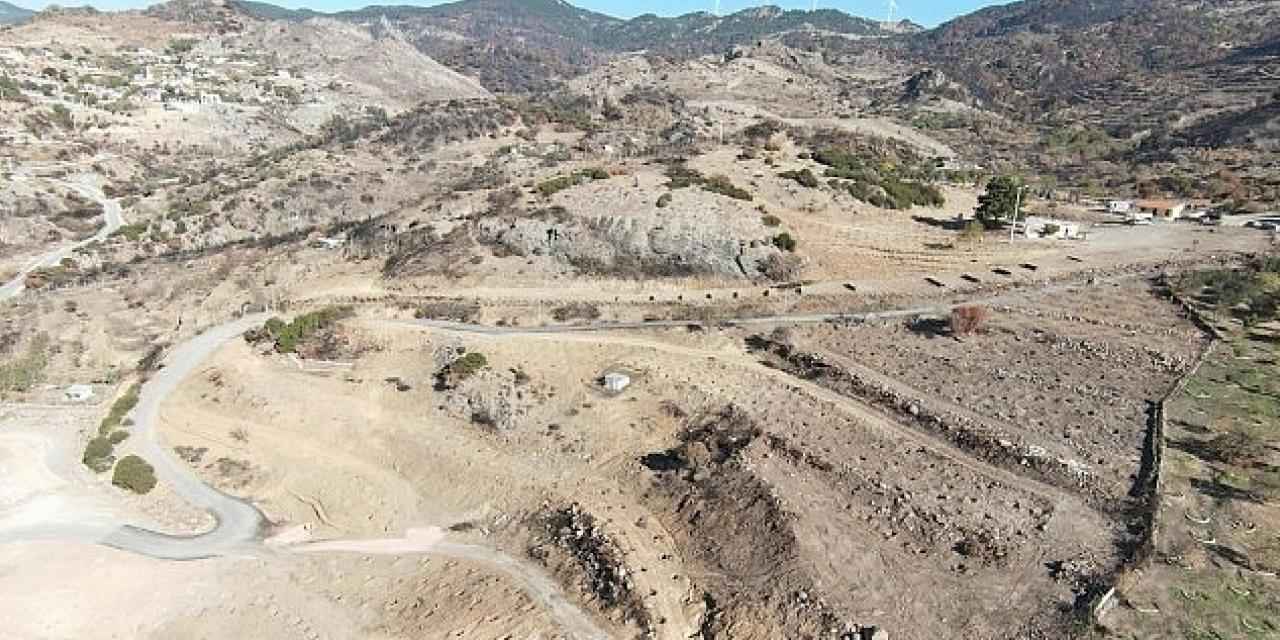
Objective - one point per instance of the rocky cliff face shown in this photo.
(618, 231)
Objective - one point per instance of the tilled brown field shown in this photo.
(1060, 384)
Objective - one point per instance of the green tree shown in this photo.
(998, 204)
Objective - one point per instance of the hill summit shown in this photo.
(13, 14)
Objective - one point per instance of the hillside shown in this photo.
(1102, 96)
(701, 32)
(532, 44)
(1038, 55)
(381, 68)
(13, 14)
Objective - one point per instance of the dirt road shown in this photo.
(85, 185)
(432, 542)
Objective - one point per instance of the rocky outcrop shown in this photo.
(628, 235)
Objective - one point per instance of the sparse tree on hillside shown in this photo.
(998, 205)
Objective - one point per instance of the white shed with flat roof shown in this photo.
(616, 382)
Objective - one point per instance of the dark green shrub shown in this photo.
(119, 409)
(680, 176)
(771, 221)
(785, 242)
(98, 454)
(805, 177)
(725, 187)
(664, 201)
(467, 366)
(134, 474)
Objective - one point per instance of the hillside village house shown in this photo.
(1162, 209)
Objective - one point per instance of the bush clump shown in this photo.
(805, 177)
(785, 242)
(99, 454)
(878, 187)
(560, 183)
(681, 176)
(576, 311)
(460, 370)
(134, 474)
(725, 187)
(288, 335)
(469, 365)
(132, 232)
(119, 409)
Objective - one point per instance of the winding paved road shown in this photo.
(239, 525)
(86, 186)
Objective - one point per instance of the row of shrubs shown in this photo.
(131, 473)
(99, 454)
(288, 335)
(560, 183)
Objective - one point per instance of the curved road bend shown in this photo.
(112, 214)
(238, 523)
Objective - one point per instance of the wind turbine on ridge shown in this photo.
(893, 8)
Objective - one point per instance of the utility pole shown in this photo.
(1017, 207)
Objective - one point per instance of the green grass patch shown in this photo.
(1212, 609)
(24, 372)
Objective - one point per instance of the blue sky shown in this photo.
(926, 12)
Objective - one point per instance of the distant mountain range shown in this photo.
(11, 14)
(522, 44)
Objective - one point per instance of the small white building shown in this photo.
(1119, 206)
(616, 382)
(78, 393)
(1049, 228)
(1163, 209)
